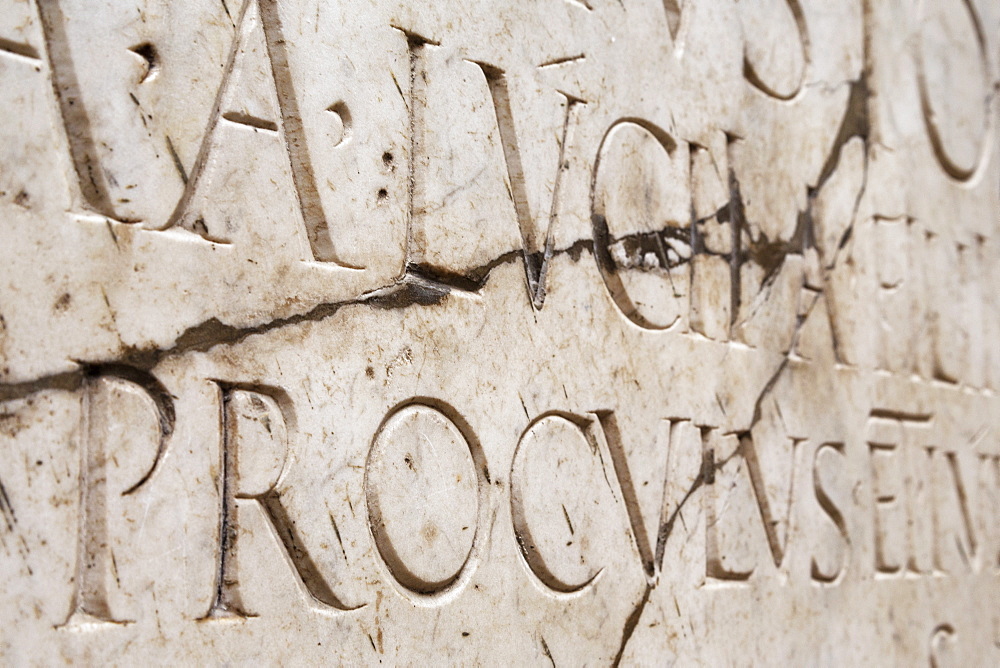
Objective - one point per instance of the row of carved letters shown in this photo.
(93, 189)
(898, 550)
(93, 182)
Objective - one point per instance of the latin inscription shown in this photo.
(630, 325)
(932, 510)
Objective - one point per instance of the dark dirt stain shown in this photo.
(63, 303)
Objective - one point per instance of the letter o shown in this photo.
(425, 488)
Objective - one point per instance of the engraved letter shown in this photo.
(641, 214)
(127, 417)
(425, 486)
(256, 428)
(832, 511)
(559, 495)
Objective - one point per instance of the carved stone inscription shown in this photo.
(569, 332)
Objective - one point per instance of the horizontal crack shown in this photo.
(419, 286)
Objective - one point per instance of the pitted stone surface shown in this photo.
(573, 331)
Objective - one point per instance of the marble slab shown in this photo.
(569, 332)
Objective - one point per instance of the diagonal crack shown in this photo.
(706, 476)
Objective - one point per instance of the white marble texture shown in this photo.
(583, 332)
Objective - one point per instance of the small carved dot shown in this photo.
(383, 194)
(341, 130)
(151, 65)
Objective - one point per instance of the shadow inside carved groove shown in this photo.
(19, 49)
(100, 137)
(957, 124)
(293, 132)
(673, 9)
(250, 121)
(769, 66)
(641, 218)
(124, 411)
(942, 643)
(258, 424)
(82, 146)
(535, 224)
(341, 116)
(556, 449)
(425, 481)
(150, 58)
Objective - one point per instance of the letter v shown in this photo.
(658, 483)
(536, 254)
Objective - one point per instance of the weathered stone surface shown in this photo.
(570, 331)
